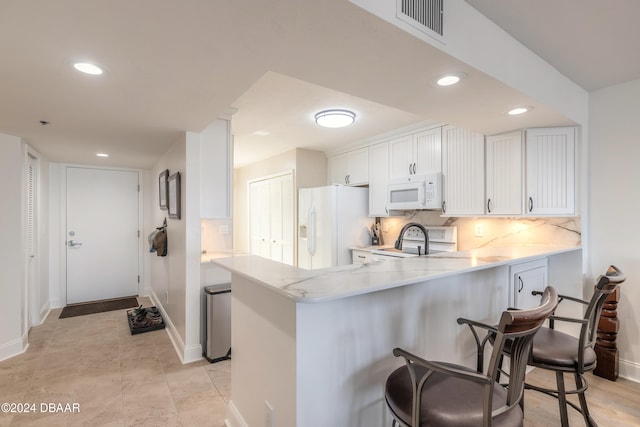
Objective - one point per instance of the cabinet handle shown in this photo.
(444, 207)
(414, 168)
(489, 206)
(530, 204)
(361, 256)
(386, 209)
(410, 173)
(521, 284)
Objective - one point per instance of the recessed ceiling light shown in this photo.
(88, 68)
(335, 118)
(102, 155)
(450, 79)
(519, 110)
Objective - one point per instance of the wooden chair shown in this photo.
(431, 393)
(561, 352)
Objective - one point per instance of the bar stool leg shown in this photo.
(562, 399)
(583, 401)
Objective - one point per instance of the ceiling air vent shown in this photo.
(425, 15)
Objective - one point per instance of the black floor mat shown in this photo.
(98, 307)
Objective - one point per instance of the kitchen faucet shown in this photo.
(398, 244)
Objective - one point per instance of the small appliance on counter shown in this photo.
(416, 239)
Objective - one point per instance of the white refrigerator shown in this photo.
(331, 220)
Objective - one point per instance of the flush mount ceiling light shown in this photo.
(450, 79)
(87, 68)
(519, 110)
(335, 118)
(102, 155)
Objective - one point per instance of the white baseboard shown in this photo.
(235, 419)
(14, 348)
(44, 312)
(193, 353)
(629, 370)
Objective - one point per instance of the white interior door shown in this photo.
(102, 234)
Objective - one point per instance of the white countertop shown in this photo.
(310, 286)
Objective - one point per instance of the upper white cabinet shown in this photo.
(378, 179)
(550, 171)
(351, 168)
(415, 154)
(216, 170)
(504, 174)
(462, 172)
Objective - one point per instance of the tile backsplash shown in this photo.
(494, 232)
(216, 235)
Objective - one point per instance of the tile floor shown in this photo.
(119, 379)
(116, 378)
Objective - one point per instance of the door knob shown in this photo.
(71, 243)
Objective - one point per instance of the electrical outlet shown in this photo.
(479, 231)
(269, 416)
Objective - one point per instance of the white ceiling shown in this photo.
(176, 66)
(593, 42)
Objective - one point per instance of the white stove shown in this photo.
(441, 239)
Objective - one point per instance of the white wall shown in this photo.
(310, 170)
(614, 175)
(13, 327)
(168, 274)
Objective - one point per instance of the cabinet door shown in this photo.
(275, 219)
(216, 170)
(337, 169)
(550, 177)
(504, 174)
(428, 151)
(288, 220)
(358, 167)
(271, 218)
(401, 157)
(378, 179)
(462, 172)
(525, 278)
(255, 218)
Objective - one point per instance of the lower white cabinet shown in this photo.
(524, 278)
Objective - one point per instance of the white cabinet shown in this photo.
(550, 171)
(415, 154)
(504, 174)
(216, 170)
(524, 278)
(271, 222)
(378, 179)
(351, 168)
(462, 172)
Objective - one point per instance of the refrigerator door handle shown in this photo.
(311, 237)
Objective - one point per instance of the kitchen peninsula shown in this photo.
(313, 347)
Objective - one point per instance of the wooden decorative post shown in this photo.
(606, 348)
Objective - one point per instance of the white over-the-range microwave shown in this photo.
(415, 192)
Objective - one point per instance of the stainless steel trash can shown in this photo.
(217, 345)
